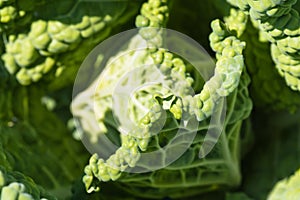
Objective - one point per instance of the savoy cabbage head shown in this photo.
(85, 115)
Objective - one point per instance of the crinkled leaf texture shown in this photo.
(188, 175)
(58, 36)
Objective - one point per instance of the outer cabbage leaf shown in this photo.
(275, 154)
(35, 141)
(16, 186)
(278, 22)
(268, 89)
(61, 33)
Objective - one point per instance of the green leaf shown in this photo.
(275, 155)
